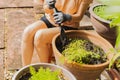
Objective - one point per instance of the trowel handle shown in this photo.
(63, 37)
(55, 11)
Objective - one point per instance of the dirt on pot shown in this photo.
(25, 76)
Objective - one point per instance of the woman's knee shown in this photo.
(29, 31)
(44, 37)
(40, 38)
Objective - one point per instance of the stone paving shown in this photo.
(2, 29)
(15, 15)
(15, 3)
(1, 65)
(17, 20)
(14, 18)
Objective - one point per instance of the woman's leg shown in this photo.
(42, 42)
(27, 46)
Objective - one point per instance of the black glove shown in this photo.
(51, 3)
(60, 17)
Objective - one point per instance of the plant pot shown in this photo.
(114, 74)
(102, 26)
(82, 71)
(53, 67)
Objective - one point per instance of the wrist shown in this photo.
(67, 17)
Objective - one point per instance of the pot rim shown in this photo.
(43, 64)
(83, 65)
(96, 16)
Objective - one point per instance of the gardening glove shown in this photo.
(51, 3)
(60, 17)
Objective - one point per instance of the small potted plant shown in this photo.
(105, 18)
(82, 71)
(114, 66)
(43, 71)
(110, 15)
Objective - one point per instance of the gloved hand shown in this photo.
(60, 17)
(51, 3)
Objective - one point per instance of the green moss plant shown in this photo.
(83, 52)
(111, 12)
(44, 74)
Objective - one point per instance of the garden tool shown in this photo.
(63, 37)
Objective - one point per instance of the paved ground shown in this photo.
(15, 15)
(14, 18)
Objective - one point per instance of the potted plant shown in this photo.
(109, 14)
(114, 67)
(43, 71)
(82, 71)
(104, 22)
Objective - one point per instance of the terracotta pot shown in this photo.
(114, 74)
(82, 71)
(102, 26)
(53, 67)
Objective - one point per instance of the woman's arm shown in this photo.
(82, 8)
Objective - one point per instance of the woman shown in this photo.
(39, 34)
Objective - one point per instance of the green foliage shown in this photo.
(110, 2)
(114, 59)
(100, 11)
(112, 9)
(83, 52)
(44, 74)
(109, 13)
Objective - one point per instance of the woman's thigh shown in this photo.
(46, 35)
(35, 26)
(29, 31)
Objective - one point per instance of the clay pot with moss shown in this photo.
(109, 12)
(102, 25)
(43, 71)
(82, 70)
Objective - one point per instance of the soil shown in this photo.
(89, 47)
(25, 77)
(28, 75)
(116, 64)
